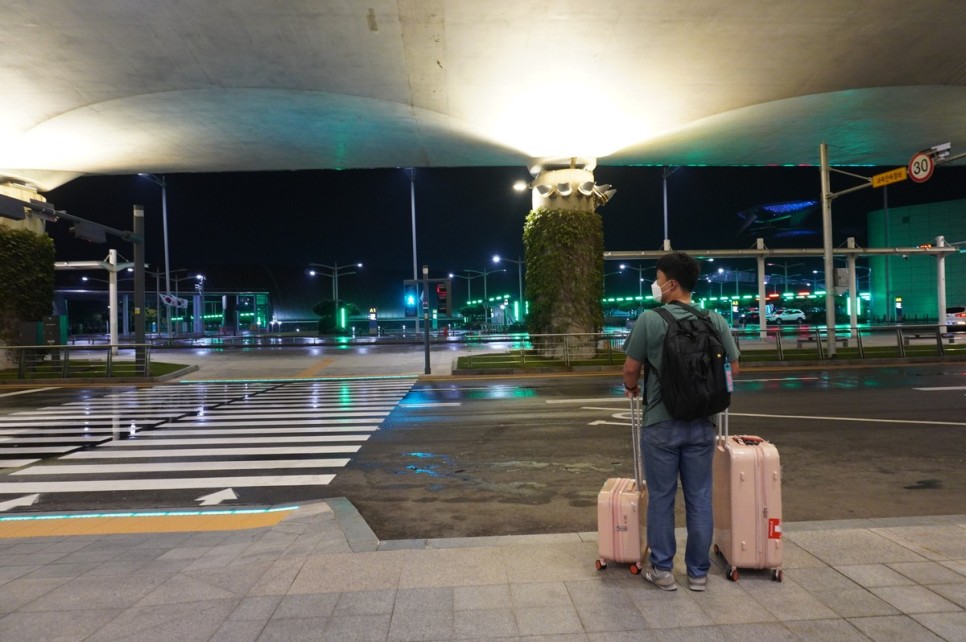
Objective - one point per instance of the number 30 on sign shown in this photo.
(921, 167)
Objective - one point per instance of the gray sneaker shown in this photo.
(664, 580)
(697, 583)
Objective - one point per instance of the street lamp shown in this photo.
(640, 277)
(869, 287)
(519, 262)
(603, 286)
(787, 265)
(334, 272)
(469, 283)
(815, 280)
(486, 303)
(162, 183)
(200, 313)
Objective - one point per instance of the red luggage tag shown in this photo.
(774, 528)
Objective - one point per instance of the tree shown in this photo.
(328, 312)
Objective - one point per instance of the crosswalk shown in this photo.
(195, 436)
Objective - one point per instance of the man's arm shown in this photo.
(632, 373)
(728, 341)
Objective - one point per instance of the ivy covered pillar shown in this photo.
(563, 240)
(26, 270)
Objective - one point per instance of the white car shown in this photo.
(956, 318)
(786, 315)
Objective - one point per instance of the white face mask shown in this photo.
(656, 291)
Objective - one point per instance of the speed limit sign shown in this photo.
(921, 167)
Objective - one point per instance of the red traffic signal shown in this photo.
(443, 301)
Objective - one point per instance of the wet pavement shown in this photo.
(321, 573)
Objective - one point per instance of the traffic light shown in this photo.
(87, 231)
(12, 208)
(410, 298)
(443, 298)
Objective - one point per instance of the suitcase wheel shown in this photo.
(777, 575)
(733, 575)
(635, 569)
(601, 565)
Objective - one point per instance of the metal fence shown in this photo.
(869, 342)
(75, 361)
(779, 344)
(536, 350)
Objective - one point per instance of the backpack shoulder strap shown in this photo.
(698, 312)
(702, 315)
(667, 316)
(671, 323)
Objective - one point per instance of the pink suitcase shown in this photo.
(621, 509)
(747, 502)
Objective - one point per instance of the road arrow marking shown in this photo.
(26, 500)
(609, 423)
(217, 498)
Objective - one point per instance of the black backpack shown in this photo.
(692, 380)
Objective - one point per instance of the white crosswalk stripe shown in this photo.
(195, 436)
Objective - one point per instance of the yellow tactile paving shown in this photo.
(316, 368)
(63, 525)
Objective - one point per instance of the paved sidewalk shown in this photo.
(321, 574)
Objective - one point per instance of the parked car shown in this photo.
(786, 315)
(956, 318)
(748, 318)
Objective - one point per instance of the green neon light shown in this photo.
(342, 318)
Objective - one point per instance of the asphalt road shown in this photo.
(493, 456)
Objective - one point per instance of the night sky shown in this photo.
(261, 230)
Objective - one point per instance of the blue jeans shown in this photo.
(685, 448)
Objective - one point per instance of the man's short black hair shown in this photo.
(680, 267)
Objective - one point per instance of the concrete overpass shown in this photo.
(114, 87)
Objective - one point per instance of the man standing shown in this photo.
(674, 447)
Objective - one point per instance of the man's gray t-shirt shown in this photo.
(646, 344)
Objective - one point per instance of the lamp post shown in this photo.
(177, 289)
(163, 184)
(200, 313)
(486, 303)
(112, 323)
(497, 258)
(869, 286)
(786, 265)
(469, 283)
(603, 285)
(334, 272)
(640, 277)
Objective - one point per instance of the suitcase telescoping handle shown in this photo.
(723, 424)
(636, 428)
